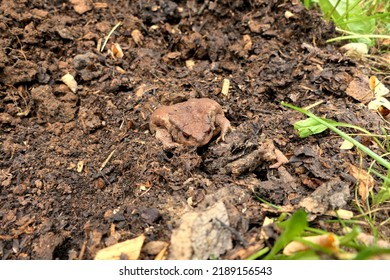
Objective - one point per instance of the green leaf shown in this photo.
(348, 15)
(293, 227)
(350, 236)
(309, 127)
(332, 127)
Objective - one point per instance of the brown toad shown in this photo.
(192, 123)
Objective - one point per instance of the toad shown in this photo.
(192, 123)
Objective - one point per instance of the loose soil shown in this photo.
(80, 171)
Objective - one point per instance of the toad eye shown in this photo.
(186, 135)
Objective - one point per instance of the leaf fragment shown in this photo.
(225, 87)
(69, 80)
(129, 249)
(364, 179)
(309, 127)
(328, 241)
(116, 51)
(137, 37)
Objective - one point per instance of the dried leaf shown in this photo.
(225, 87)
(381, 105)
(346, 145)
(137, 37)
(173, 55)
(263, 233)
(161, 255)
(99, 45)
(116, 51)
(69, 80)
(328, 241)
(359, 89)
(100, 5)
(120, 70)
(288, 14)
(379, 89)
(80, 166)
(142, 89)
(365, 180)
(190, 64)
(355, 48)
(378, 103)
(130, 249)
(247, 42)
(341, 213)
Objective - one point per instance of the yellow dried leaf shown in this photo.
(190, 64)
(328, 241)
(100, 5)
(377, 103)
(137, 37)
(346, 145)
(247, 42)
(267, 221)
(288, 14)
(263, 233)
(129, 249)
(99, 45)
(116, 51)
(341, 213)
(154, 27)
(173, 55)
(161, 255)
(355, 48)
(69, 80)
(225, 87)
(71, 166)
(365, 180)
(80, 166)
(379, 89)
(120, 70)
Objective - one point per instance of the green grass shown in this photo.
(315, 124)
(332, 126)
(363, 21)
(350, 246)
(359, 21)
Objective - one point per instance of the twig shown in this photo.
(109, 35)
(107, 160)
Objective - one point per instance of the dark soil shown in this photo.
(81, 171)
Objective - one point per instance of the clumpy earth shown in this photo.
(80, 169)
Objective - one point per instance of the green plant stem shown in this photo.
(358, 37)
(258, 254)
(358, 145)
